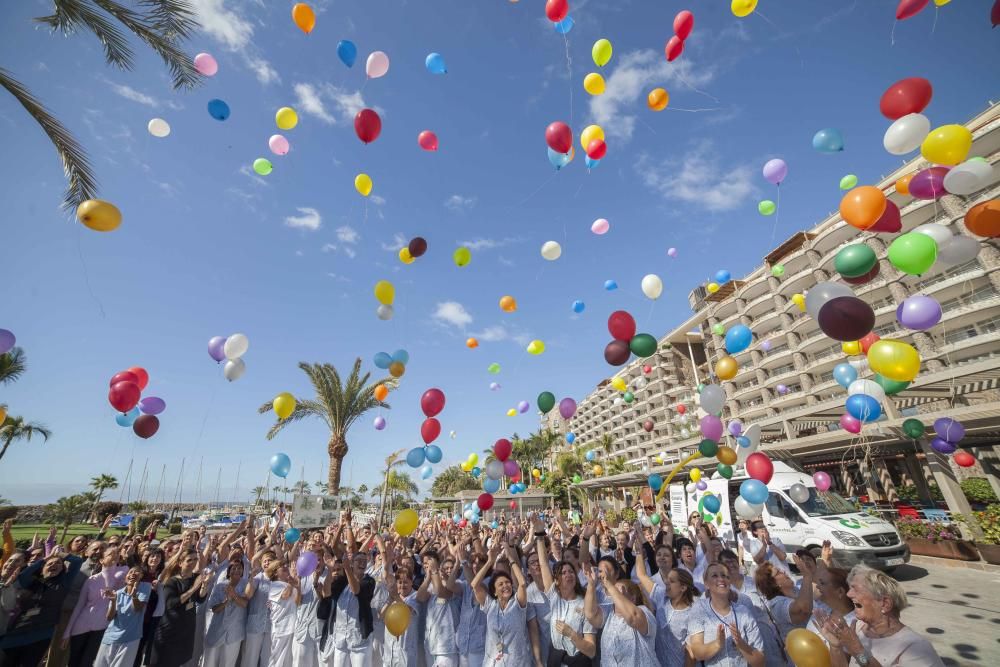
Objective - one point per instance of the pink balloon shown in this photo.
(850, 424)
(711, 427)
(278, 144)
(205, 64)
(600, 226)
(929, 183)
(428, 140)
(510, 468)
(821, 480)
(377, 65)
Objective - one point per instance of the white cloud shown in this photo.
(347, 234)
(700, 179)
(453, 313)
(638, 72)
(309, 101)
(398, 241)
(460, 203)
(132, 94)
(377, 200)
(263, 70)
(488, 244)
(228, 27)
(492, 334)
(309, 219)
(343, 104)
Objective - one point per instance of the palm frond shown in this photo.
(13, 364)
(174, 19)
(70, 15)
(303, 408)
(76, 164)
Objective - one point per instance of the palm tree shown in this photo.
(338, 404)
(301, 488)
(15, 428)
(320, 487)
(399, 487)
(363, 490)
(138, 506)
(101, 484)
(394, 460)
(12, 365)
(615, 466)
(65, 511)
(451, 480)
(160, 24)
(276, 490)
(258, 492)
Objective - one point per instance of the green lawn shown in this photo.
(26, 531)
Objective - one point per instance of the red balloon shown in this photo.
(683, 24)
(965, 459)
(485, 501)
(674, 48)
(846, 318)
(647, 369)
(146, 426)
(367, 125)
(143, 376)
(463, 523)
(124, 396)
(502, 449)
(647, 425)
(621, 326)
(428, 140)
(432, 402)
(556, 10)
(513, 505)
(617, 352)
(430, 430)
(417, 247)
(889, 222)
(124, 376)
(907, 8)
(861, 280)
(559, 137)
(681, 409)
(760, 467)
(905, 97)
(597, 149)
(995, 14)
(867, 341)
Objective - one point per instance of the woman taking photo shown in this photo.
(723, 633)
(507, 643)
(173, 643)
(629, 626)
(225, 623)
(572, 639)
(120, 643)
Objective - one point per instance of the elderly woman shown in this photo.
(877, 638)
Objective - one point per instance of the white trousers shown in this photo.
(117, 655)
(358, 657)
(256, 649)
(471, 659)
(281, 651)
(305, 653)
(223, 655)
(447, 660)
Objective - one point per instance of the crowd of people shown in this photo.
(538, 591)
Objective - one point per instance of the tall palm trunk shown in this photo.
(337, 449)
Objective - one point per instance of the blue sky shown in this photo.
(207, 248)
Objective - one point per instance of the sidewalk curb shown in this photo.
(982, 566)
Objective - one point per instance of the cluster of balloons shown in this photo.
(621, 326)
(683, 25)
(948, 433)
(125, 396)
(385, 294)
(380, 392)
(395, 363)
(469, 465)
(754, 491)
(431, 403)
(412, 250)
(601, 52)
(231, 350)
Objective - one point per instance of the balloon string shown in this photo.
(687, 83)
(647, 124)
(802, 63)
(569, 73)
(691, 110)
(537, 190)
(934, 25)
(892, 34)
(86, 275)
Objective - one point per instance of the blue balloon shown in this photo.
(845, 374)
(382, 360)
(218, 109)
(828, 141)
(494, 525)
(281, 465)
(558, 160)
(591, 162)
(402, 356)
(474, 520)
(491, 485)
(711, 504)
(863, 407)
(347, 52)
(292, 535)
(610, 285)
(426, 472)
(456, 518)
(591, 455)
(578, 306)
(126, 419)
(476, 472)
(655, 482)
(433, 453)
(570, 437)
(722, 276)
(563, 27)
(435, 64)
(754, 491)
(743, 441)
(738, 338)
(415, 457)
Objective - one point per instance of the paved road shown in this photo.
(957, 609)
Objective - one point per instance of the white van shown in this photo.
(856, 537)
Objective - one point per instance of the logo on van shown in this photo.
(852, 523)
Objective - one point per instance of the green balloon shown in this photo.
(708, 448)
(546, 401)
(767, 207)
(642, 345)
(462, 256)
(628, 397)
(855, 260)
(262, 166)
(778, 270)
(577, 479)
(655, 519)
(725, 470)
(701, 387)
(890, 386)
(913, 253)
(718, 329)
(914, 428)
(848, 182)
(493, 368)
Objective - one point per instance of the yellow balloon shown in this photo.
(535, 472)
(851, 347)
(461, 256)
(726, 368)
(473, 458)
(712, 288)
(589, 134)
(695, 474)
(406, 522)
(601, 52)
(800, 301)
(659, 460)
(385, 292)
(284, 405)
(743, 8)
(807, 649)
(286, 118)
(397, 616)
(99, 215)
(363, 184)
(593, 83)
(465, 466)
(405, 257)
(396, 369)
(948, 145)
(512, 412)
(941, 3)
(598, 470)
(726, 455)
(658, 99)
(619, 384)
(3, 414)
(536, 347)
(894, 359)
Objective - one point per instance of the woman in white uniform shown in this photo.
(506, 610)
(470, 640)
(572, 639)
(629, 636)
(401, 651)
(723, 634)
(283, 598)
(226, 619)
(439, 634)
(788, 608)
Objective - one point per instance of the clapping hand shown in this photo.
(741, 643)
(564, 629)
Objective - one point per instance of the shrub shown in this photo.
(611, 518)
(935, 531)
(142, 521)
(629, 516)
(175, 527)
(989, 523)
(978, 490)
(7, 512)
(106, 508)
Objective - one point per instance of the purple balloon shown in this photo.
(701, 485)
(775, 171)
(672, 252)
(306, 564)
(782, 389)
(7, 341)
(379, 423)
(735, 428)
(766, 345)
(711, 427)
(523, 406)
(510, 467)
(918, 312)
(949, 429)
(942, 446)
(216, 348)
(929, 183)
(567, 408)
(152, 405)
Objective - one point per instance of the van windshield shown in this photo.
(825, 503)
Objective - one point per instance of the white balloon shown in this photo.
(906, 134)
(820, 293)
(868, 387)
(234, 369)
(712, 398)
(939, 233)
(685, 433)
(798, 493)
(236, 346)
(551, 250)
(377, 65)
(158, 127)
(652, 286)
(747, 510)
(968, 177)
(494, 469)
(957, 250)
(384, 311)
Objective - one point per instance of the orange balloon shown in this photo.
(863, 206)
(658, 99)
(381, 392)
(726, 455)
(984, 219)
(508, 304)
(726, 368)
(472, 343)
(304, 17)
(903, 184)
(396, 369)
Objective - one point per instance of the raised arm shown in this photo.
(802, 606)
(591, 610)
(477, 582)
(543, 563)
(641, 569)
(627, 610)
(515, 568)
